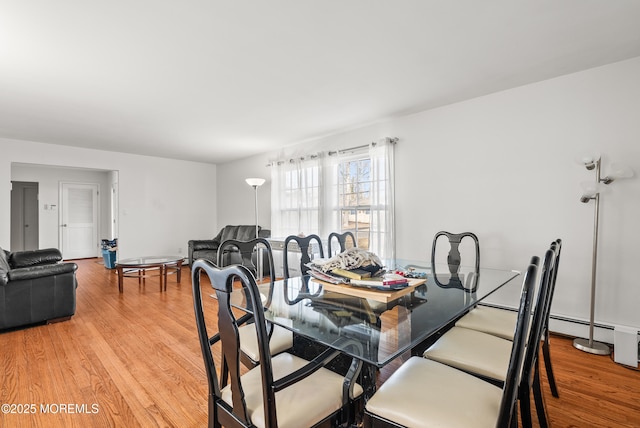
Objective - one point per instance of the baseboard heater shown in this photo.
(625, 339)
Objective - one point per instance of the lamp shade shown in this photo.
(591, 189)
(619, 170)
(255, 182)
(588, 160)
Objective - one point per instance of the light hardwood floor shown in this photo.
(134, 360)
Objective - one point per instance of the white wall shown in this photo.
(162, 202)
(236, 199)
(49, 179)
(503, 166)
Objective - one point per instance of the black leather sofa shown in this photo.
(35, 286)
(208, 248)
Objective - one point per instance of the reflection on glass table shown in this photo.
(383, 330)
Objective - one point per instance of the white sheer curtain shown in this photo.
(382, 238)
(305, 196)
(296, 205)
(332, 220)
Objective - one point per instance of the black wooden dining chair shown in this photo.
(423, 392)
(454, 260)
(342, 242)
(501, 322)
(251, 254)
(307, 246)
(284, 390)
(546, 344)
(280, 339)
(487, 356)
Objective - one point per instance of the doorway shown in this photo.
(25, 223)
(49, 179)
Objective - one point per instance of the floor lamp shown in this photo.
(255, 183)
(592, 191)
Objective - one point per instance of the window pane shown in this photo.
(354, 198)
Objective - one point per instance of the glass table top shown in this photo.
(374, 331)
(149, 261)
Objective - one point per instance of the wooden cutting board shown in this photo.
(370, 293)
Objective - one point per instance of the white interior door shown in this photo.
(79, 220)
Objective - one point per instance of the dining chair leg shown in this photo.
(514, 417)
(525, 408)
(538, 398)
(213, 418)
(546, 353)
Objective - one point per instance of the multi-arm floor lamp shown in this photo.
(592, 192)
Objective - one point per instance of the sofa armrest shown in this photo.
(40, 271)
(203, 244)
(264, 233)
(23, 259)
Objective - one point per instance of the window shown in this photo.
(337, 193)
(302, 187)
(295, 197)
(354, 199)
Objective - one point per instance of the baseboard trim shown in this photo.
(576, 327)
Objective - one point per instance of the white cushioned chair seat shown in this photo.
(301, 405)
(281, 340)
(472, 351)
(424, 393)
(494, 321)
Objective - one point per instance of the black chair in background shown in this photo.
(284, 390)
(454, 260)
(256, 252)
(423, 392)
(307, 245)
(252, 254)
(342, 242)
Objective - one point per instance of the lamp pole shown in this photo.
(589, 345)
(255, 183)
(256, 205)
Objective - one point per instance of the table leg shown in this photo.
(120, 278)
(368, 377)
(179, 272)
(163, 277)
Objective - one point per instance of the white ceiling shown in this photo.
(217, 80)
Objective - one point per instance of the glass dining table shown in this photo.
(367, 324)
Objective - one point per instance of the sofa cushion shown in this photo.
(228, 232)
(211, 255)
(239, 233)
(4, 267)
(246, 233)
(21, 259)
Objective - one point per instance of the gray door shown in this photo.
(24, 216)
